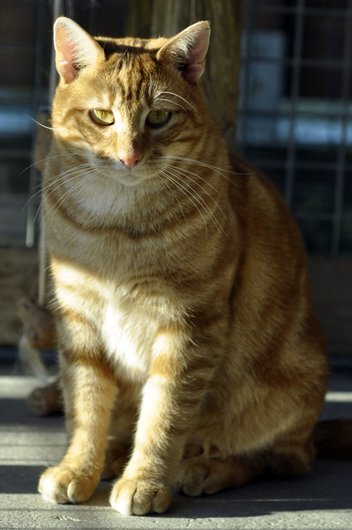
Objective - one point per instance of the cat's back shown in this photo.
(271, 291)
(265, 218)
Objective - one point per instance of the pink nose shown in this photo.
(130, 158)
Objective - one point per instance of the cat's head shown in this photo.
(129, 105)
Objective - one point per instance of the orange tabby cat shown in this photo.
(186, 333)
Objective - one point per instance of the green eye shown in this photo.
(102, 117)
(158, 118)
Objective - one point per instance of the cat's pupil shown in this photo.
(158, 118)
(102, 117)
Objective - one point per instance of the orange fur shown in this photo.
(183, 315)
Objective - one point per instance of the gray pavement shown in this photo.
(322, 500)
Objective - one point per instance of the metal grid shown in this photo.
(298, 132)
(22, 48)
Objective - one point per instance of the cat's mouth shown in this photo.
(115, 170)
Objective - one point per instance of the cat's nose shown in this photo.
(130, 158)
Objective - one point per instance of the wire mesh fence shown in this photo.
(295, 111)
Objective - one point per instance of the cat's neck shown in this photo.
(188, 183)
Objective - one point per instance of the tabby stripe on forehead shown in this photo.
(132, 86)
(137, 87)
(128, 94)
(121, 89)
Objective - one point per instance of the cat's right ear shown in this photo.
(75, 49)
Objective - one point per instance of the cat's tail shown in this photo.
(333, 439)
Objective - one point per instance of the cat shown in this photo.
(190, 355)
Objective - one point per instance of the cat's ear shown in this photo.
(75, 49)
(187, 50)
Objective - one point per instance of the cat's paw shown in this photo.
(116, 458)
(62, 485)
(140, 496)
(114, 469)
(203, 475)
(194, 475)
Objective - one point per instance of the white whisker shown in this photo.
(185, 191)
(216, 169)
(177, 96)
(173, 102)
(80, 173)
(201, 199)
(175, 196)
(84, 179)
(187, 172)
(41, 124)
(58, 181)
(66, 155)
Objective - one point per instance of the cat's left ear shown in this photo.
(75, 49)
(187, 50)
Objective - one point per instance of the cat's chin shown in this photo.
(123, 176)
(130, 179)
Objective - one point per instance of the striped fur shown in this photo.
(189, 352)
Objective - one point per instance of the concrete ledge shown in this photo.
(321, 500)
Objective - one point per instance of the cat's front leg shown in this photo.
(89, 391)
(178, 379)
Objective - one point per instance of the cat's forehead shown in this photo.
(132, 71)
(138, 57)
(130, 45)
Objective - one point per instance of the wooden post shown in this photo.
(167, 17)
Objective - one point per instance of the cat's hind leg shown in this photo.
(123, 421)
(206, 475)
(116, 458)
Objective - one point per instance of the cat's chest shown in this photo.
(125, 311)
(128, 335)
(136, 311)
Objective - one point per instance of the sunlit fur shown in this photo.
(184, 322)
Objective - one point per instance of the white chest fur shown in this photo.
(128, 317)
(128, 335)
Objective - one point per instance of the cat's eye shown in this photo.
(158, 118)
(102, 117)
